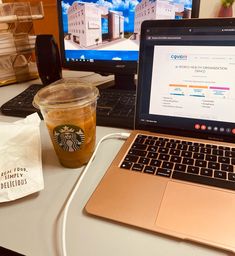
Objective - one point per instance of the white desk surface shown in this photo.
(31, 225)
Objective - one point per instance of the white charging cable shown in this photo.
(79, 181)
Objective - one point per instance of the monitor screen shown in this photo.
(103, 35)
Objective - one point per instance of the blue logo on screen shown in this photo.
(179, 57)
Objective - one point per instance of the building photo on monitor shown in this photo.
(110, 29)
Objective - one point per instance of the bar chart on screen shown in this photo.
(201, 91)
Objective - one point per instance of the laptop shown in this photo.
(175, 174)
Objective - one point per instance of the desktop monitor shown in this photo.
(103, 35)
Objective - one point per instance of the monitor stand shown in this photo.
(125, 82)
(120, 82)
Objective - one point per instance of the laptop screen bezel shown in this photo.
(144, 79)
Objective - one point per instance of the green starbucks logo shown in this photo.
(69, 137)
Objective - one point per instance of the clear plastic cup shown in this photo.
(69, 111)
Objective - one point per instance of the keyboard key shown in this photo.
(164, 157)
(149, 142)
(193, 169)
(139, 140)
(175, 159)
(171, 145)
(156, 163)
(163, 150)
(152, 148)
(137, 167)
(103, 111)
(182, 147)
(193, 149)
(115, 112)
(205, 150)
(198, 156)
(220, 175)
(130, 158)
(139, 146)
(180, 167)
(143, 160)
(230, 153)
(231, 176)
(189, 143)
(141, 136)
(227, 184)
(150, 169)
(224, 160)
(160, 143)
(154, 137)
(206, 172)
(164, 139)
(224, 148)
(200, 163)
(126, 165)
(213, 165)
(186, 154)
(163, 172)
(217, 152)
(188, 161)
(227, 167)
(167, 165)
(175, 152)
(152, 155)
(186, 142)
(137, 152)
(211, 158)
(211, 146)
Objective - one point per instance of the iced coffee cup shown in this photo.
(69, 111)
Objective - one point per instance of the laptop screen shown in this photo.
(187, 78)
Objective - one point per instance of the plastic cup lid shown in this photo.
(68, 92)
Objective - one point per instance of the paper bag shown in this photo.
(20, 158)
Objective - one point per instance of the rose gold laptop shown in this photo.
(175, 174)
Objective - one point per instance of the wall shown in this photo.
(49, 25)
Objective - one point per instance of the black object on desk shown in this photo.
(48, 59)
(115, 108)
(7, 252)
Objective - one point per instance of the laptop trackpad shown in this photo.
(198, 213)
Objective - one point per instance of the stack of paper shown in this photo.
(17, 42)
(13, 52)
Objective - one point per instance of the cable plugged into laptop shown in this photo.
(122, 136)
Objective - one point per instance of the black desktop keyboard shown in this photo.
(201, 163)
(115, 108)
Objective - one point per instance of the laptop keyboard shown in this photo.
(201, 163)
(115, 108)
